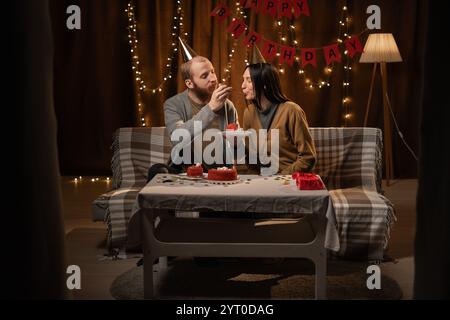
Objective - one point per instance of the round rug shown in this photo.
(254, 279)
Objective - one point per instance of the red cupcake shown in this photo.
(195, 170)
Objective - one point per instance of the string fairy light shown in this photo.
(79, 179)
(343, 32)
(346, 100)
(239, 14)
(281, 39)
(176, 30)
(287, 35)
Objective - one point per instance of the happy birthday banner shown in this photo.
(270, 49)
(284, 8)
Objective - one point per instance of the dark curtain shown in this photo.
(95, 91)
(34, 257)
(432, 244)
(93, 87)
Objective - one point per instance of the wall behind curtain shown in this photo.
(98, 91)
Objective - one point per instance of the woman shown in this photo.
(270, 109)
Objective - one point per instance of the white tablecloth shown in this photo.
(277, 195)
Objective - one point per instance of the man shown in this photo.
(203, 100)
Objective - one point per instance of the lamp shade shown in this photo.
(380, 47)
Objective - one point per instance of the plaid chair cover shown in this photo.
(135, 150)
(349, 162)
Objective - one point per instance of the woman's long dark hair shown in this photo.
(266, 81)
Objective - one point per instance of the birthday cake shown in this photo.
(222, 174)
(195, 170)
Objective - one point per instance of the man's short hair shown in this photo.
(185, 68)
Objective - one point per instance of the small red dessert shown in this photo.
(232, 126)
(195, 171)
(222, 174)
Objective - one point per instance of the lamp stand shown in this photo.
(370, 93)
(387, 131)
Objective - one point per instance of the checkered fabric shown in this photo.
(349, 162)
(135, 150)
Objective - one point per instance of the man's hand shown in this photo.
(219, 96)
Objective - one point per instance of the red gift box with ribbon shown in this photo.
(308, 181)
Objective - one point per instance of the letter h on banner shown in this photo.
(287, 55)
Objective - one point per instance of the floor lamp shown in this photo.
(381, 48)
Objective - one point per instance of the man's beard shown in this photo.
(202, 94)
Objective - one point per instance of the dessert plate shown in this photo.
(236, 133)
(181, 176)
(224, 182)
